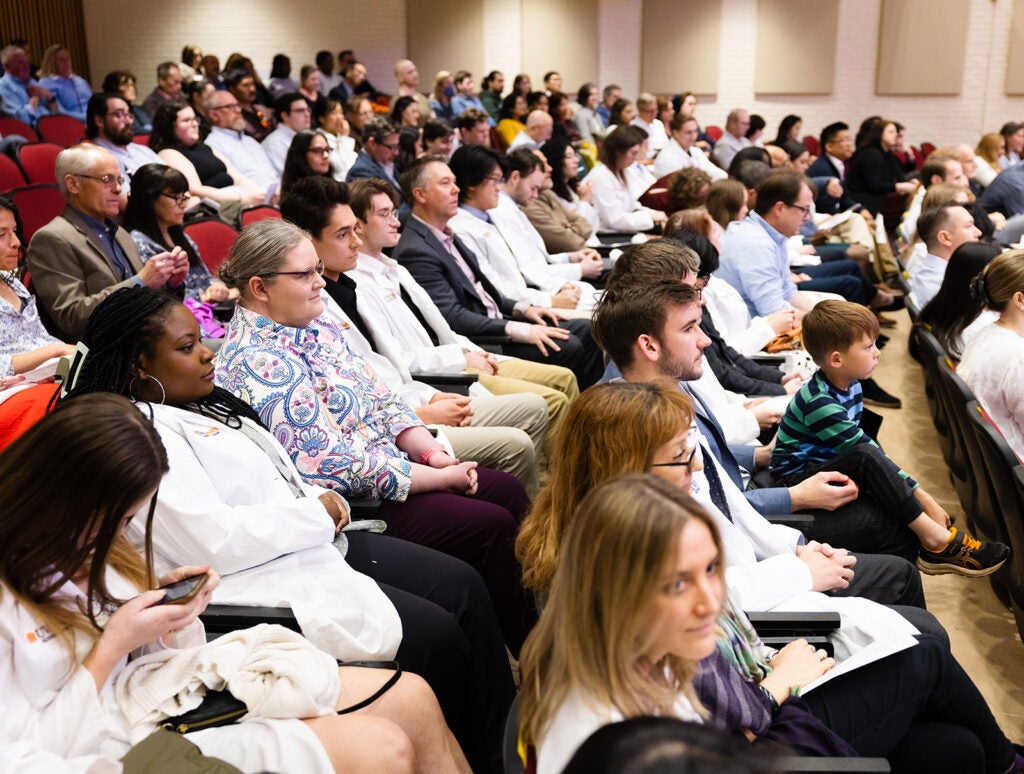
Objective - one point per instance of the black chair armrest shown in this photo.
(811, 622)
(768, 358)
(363, 509)
(224, 310)
(800, 521)
(818, 643)
(810, 765)
(457, 383)
(221, 619)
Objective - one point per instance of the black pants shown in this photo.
(841, 276)
(450, 637)
(919, 709)
(880, 525)
(579, 353)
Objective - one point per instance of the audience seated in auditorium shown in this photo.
(874, 169)
(956, 314)
(473, 127)
(990, 147)
(229, 138)
(309, 88)
(441, 97)
(1013, 144)
(640, 529)
(380, 149)
(21, 95)
(734, 137)
(559, 215)
(82, 256)
(116, 461)
(175, 139)
(589, 124)
(941, 166)
(154, 216)
(438, 138)
(355, 437)
(491, 88)
(992, 360)
(293, 116)
(281, 81)
(617, 207)
(942, 229)
(465, 94)
(408, 78)
(308, 156)
(500, 432)
(610, 94)
(539, 127)
(451, 274)
(342, 146)
(55, 74)
(510, 118)
(167, 89)
(682, 151)
(647, 119)
(24, 343)
(109, 125)
(259, 119)
(820, 432)
(122, 83)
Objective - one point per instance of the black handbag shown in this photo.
(221, 708)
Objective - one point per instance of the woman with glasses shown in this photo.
(308, 155)
(154, 215)
(597, 550)
(347, 431)
(176, 139)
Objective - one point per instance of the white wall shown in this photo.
(138, 35)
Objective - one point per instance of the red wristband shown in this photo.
(425, 457)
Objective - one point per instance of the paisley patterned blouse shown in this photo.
(323, 402)
(20, 329)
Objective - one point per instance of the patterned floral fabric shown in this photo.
(322, 402)
(20, 330)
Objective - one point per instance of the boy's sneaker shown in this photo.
(964, 555)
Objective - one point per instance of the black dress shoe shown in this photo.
(876, 396)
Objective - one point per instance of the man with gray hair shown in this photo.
(539, 126)
(377, 158)
(229, 138)
(22, 95)
(733, 139)
(647, 119)
(168, 87)
(82, 256)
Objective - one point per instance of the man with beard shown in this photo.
(108, 123)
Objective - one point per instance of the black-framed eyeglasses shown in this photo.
(108, 180)
(120, 114)
(322, 150)
(178, 199)
(805, 210)
(680, 463)
(306, 275)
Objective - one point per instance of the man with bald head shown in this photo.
(408, 78)
(539, 126)
(229, 138)
(82, 256)
(734, 138)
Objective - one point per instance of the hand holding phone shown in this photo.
(185, 590)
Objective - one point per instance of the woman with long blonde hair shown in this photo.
(623, 631)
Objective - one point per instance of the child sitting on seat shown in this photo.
(821, 431)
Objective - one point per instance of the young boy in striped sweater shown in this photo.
(820, 431)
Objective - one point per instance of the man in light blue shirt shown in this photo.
(22, 96)
(754, 259)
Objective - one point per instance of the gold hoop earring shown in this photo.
(163, 392)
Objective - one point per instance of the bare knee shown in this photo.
(360, 743)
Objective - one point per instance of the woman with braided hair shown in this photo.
(233, 499)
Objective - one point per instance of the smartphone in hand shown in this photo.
(185, 590)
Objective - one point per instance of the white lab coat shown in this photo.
(53, 710)
(225, 504)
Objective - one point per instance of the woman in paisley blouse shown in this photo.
(345, 430)
(24, 342)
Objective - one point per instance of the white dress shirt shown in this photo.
(245, 154)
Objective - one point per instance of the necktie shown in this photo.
(717, 491)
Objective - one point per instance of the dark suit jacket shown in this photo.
(829, 205)
(432, 267)
(71, 273)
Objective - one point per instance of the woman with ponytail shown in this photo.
(993, 361)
